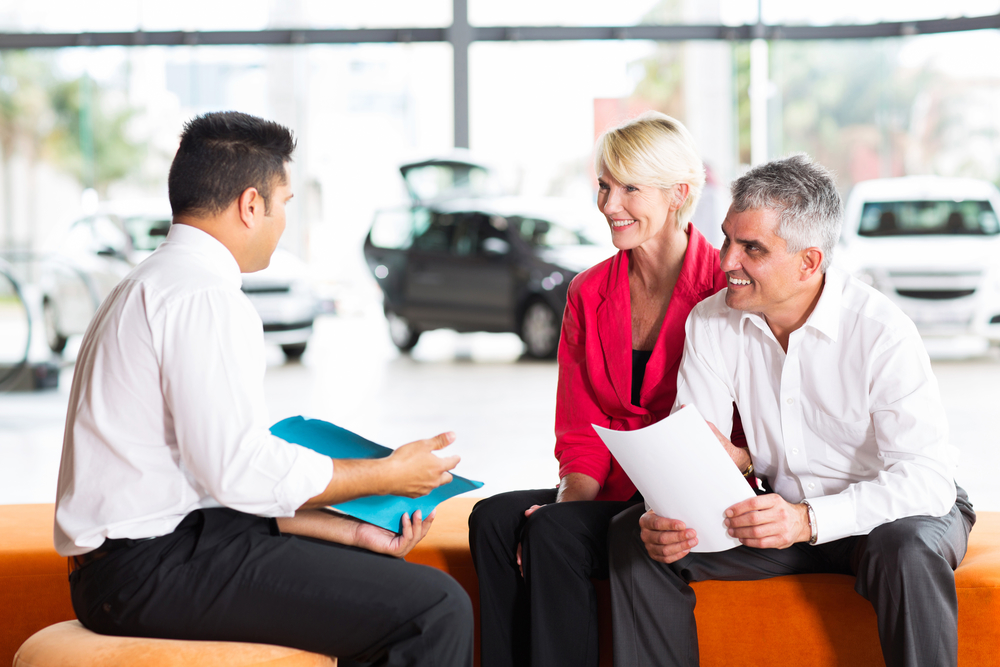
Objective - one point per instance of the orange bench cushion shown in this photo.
(814, 619)
(69, 644)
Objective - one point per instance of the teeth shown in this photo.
(737, 281)
(621, 223)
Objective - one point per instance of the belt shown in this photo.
(77, 562)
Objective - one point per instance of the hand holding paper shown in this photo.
(683, 473)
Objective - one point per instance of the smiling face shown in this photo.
(635, 213)
(763, 276)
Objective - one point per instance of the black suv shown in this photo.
(482, 264)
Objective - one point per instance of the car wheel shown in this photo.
(56, 341)
(403, 335)
(294, 352)
(540, 330)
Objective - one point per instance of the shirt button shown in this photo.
(795, 450)
(790, 401)
(811, 486)
(646, 419)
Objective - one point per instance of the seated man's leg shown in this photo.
(223, 575)
(906, 569)
(652, 604)
(495, 528)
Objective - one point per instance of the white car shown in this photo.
(932, 245)
(95, 252)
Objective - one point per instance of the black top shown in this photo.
(639, 360)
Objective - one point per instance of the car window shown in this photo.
(394, 229)
(468, 228)
(545, 234)
(437, 181)
(108, 235)
(146, 232)
(437, 235)
(928, 217)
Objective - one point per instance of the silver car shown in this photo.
(95, 252)
(932, 245)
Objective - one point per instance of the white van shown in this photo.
(932, 245)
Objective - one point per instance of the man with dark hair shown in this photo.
(843, 419)
(185, 518)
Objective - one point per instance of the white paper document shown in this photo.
(683, 473)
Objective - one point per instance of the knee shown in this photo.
(625, 525)
(552, 525)
(454, 608)
(900, 549)
(500, 513)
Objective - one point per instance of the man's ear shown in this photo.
(812, 260)
(250, 204)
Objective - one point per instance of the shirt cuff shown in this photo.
(835, 517)
(308, 476)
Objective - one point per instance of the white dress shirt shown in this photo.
(849, 418)
(166, 413)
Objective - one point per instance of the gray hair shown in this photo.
(804, 196)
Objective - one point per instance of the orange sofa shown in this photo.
(798, 620)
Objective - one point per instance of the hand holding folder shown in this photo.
(339, 443)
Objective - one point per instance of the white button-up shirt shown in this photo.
(166, 413)
(850, 417)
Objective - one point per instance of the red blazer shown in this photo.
(595, 362)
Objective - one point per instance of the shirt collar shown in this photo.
(825, 317)
(218, 259)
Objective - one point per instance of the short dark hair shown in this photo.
(223, 153)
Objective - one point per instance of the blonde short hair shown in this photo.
(655, 150)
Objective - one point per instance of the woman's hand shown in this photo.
(739, 455)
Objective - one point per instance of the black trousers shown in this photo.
(904, 568)
(227, 576)
(549, 617)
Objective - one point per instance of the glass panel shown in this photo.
(392, 229)
(154, 15)
(13, 324)
(437, 181)
(922, 218)
(146, 233)
(438, 235)
(887, 107)
(544, 234)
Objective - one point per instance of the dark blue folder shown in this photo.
(339, 443)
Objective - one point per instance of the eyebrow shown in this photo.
(753, 242)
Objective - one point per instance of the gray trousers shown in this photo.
(904, 568)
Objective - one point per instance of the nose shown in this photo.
(612, 201)
(727, 258)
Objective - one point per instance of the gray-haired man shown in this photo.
(843, 420)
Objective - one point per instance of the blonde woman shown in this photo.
(622, 336)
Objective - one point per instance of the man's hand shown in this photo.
(666, 540)
(414, 470)
(739, 455)
(768, 522)
(352, 532)
(380, 540)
